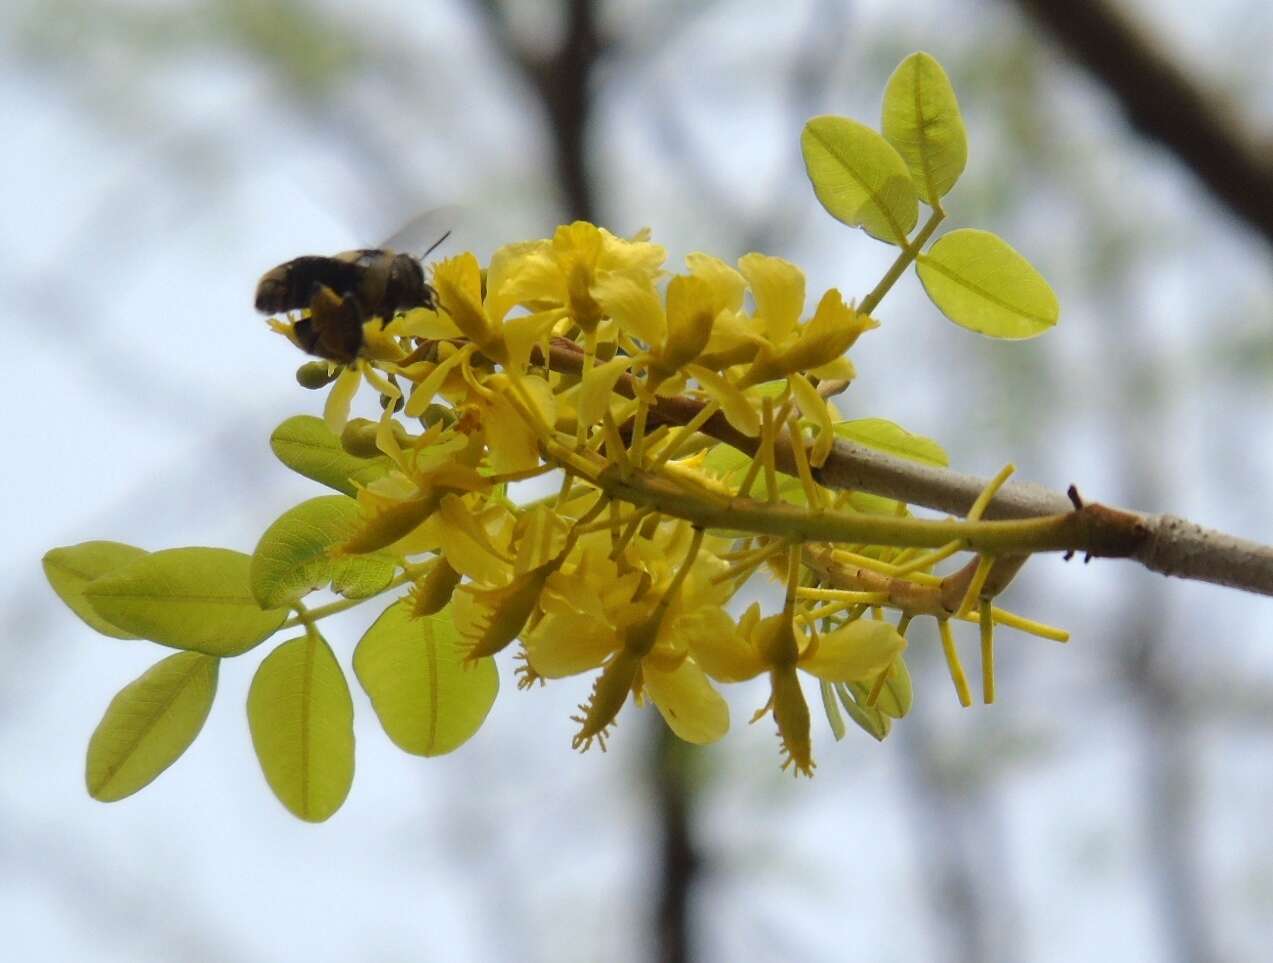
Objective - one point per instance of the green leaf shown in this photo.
(429, 700)
(189, 598)
(302, 722)
(730, 465)
(70, 570)
(869, 719)
(982, 284)
(859, 178)
(149, 724)
(885, 436)
(921, 120)
(362, 576)
(291, 558)
(307, 446)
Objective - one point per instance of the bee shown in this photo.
(342, 292)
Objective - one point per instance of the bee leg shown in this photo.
(335, 325)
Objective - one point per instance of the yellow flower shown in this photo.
(398, 508)
(855, 652)
(458, 281)
(784, 345)
(676, 329)
(627, 624)
(571, 269)
(512, 417)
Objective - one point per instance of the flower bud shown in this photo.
(316, 374)
(358, 438)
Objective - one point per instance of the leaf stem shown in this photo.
(908, 253)
(307, 617)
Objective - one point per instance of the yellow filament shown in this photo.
(987, 654)
(952, 661)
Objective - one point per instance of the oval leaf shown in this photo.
(70, 570)
(302, 722)
(149, 724)
(307, 446)
(982, 284)
(291, 558)
(189, 598)
(859, 178)
(429, 700)
(921, 120)
(883, 435)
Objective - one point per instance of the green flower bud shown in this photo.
(316, 374)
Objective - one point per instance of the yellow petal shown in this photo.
(832, 331)
(579, 237)
(540, 534)
(728, 286)
(691, 312)
(778, 289)
(635, 256)
(524, 332)
(814, 407)
(841, 369)
(467, 545)
(688, 703)
(597, 389)
(387, 521)
(341, 396)
(634, 304)
(735, 405)
(717, 645)
(506, 275)
(458, 281)
(856, 652)
(562, 645)
(513, 444)
(423, 323)
(425, 391)
(536, 280)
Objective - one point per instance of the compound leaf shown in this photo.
(149, 724)
(302, 721)
(429, 699)
(189, 598)
(982, 284)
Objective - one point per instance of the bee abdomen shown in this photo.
(288, 286)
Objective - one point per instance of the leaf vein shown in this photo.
(982, 292)
(871, 193)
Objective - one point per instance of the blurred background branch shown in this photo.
(1165, 102)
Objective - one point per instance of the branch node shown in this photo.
(1075, 498)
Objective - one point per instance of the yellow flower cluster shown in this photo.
(578, 355)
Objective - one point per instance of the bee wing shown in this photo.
(424, 230)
